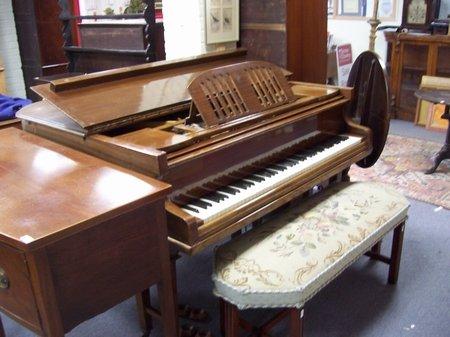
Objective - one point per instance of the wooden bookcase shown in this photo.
(410, 56)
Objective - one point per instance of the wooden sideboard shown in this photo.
(410, 56)
(78, 235)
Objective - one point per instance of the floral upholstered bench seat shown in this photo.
(286, 261)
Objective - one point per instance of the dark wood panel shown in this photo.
(49, 32)
(265, 45)
(119, 255)
(86, 61)
(17, 299)
(268, 11)
(113, 36)
(28, 43)
(290, 33)
(306, 29)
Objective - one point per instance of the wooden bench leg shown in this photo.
(296, 322)
(396, 253)
(230, 320)
(2, 330)
(376, 249)
(222, 316)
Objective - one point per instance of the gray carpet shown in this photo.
(358, 303)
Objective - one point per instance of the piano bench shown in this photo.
(286, 261)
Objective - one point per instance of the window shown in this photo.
(361, 9)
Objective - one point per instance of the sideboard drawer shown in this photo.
(16, 293)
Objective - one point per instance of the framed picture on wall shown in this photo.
(222, 21)
(353, 7)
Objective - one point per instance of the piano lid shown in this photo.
(106, 100)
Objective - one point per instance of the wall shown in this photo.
(184, 29)
(9, 51)
(357, 32)
(445, 9)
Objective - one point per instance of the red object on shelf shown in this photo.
(159, 14)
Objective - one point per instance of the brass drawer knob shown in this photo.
(4, 281)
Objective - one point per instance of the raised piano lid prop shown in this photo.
(234, 138)
(70, 224)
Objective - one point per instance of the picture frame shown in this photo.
(353, 7)
(419, 14)
(435, 122)
(222, 21)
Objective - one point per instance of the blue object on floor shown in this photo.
(10, 105)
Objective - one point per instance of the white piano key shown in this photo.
(258, 188)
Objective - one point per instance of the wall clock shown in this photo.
(418, 14)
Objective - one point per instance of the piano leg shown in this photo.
(345, 176)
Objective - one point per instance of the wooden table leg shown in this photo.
(444, 153)
(167, 293)
(145, 319)
(396, 253)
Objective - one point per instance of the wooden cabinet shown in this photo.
(410, 56)
(77, 236)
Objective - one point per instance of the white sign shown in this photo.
(344, 62)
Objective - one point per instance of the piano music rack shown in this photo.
(223, 94)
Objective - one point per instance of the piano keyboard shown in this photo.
(220, 198)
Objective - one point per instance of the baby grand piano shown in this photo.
(234, 138)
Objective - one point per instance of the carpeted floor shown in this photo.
(356, 304)
(403, 163)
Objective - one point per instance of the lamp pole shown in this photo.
(374, 23)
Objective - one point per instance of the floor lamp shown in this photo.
(374, 23)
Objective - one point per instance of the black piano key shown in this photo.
(229, 190)
(299, 157)
(213, 197)
(287, 163)
(265, 174)
(191, 208)
(294, 160)
(255, 178)
(248, 183)
(240, 184)
(222, 196)
(201, 203)
(277, 167)
(269, 173)
(342, 138)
